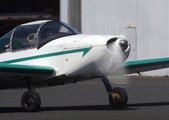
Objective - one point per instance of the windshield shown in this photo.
(34, 35)
(24, 37)
(53, 30)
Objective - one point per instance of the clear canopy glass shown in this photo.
(34, 35)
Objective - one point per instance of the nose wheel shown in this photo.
(118, 98)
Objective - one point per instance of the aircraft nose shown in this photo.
(123, 44)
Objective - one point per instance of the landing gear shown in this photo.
(117, 97)
(30, 100)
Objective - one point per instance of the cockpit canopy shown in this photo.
(34, 35)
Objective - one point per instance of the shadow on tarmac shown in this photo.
(87, 107)
(148, 104)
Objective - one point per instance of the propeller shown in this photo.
(122, 80)
(120, 49)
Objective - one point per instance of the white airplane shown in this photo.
(49, 53)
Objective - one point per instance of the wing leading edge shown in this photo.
(26, 69)
(130, 67)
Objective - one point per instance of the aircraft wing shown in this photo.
(12, 75)
(137, 66)
(26, 69)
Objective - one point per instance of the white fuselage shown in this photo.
(76, 55)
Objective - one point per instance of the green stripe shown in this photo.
(84, 50)
(148, 62)
(13, 68)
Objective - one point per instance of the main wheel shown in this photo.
(120, 100)
(31, 101)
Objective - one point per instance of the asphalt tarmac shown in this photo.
(148, 99)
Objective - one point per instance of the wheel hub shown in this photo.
(29, 101)
(117, 96)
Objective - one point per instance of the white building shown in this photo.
(145, 23)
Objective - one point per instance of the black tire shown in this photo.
(31, 101)
(120, 100)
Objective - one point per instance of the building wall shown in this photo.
(64, 11)
(70, 13)
(149, 18)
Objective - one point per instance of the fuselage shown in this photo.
(72, 56)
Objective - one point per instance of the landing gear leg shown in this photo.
(117, 97)
(30, 100)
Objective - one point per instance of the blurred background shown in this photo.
(15, 12)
